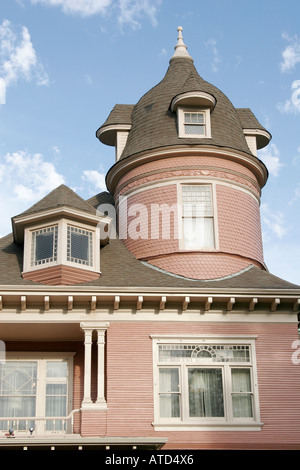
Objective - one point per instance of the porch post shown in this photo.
(101, 367)
(88, 328)
(87, 365)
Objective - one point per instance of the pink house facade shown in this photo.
(145, 317)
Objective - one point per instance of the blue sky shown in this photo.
(64, 64)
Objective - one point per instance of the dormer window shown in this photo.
(79, 246)
(194, 123)
(62, 243)
(44, 246)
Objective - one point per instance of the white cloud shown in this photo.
(273, 223)
(271, 158)
(131, 11)
(28, 177)
(25, 179)
(96, 179)
(296, 196)
(291, 54)
(212, 44)
(292, 105)
(18, 59)
(81, 7)
(127, 11)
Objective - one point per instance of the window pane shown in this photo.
(241, 393)
(169, 380)
(44, 245)
(194, 118)
(196, 129)
(196, 200)
(57, 369)
(205, 393)
(169, 406)
(56, 405)
(198, 232)
(80, 246)
(17, 391)
(169, 396)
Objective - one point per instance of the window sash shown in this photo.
(30, 388)
(79, 246)
(44, 246)
(205, 382)
(194, 123)
(197, 217)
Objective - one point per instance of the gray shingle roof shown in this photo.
(59, 197)
(120, 268)
(154, 125)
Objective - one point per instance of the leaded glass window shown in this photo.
(44, 246)
(79, 246)
(200, 382)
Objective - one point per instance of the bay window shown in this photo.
(62, 243)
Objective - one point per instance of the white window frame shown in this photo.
(182, 245)
(181, 122)
(62, 242)
(42, 381)
(186, 423)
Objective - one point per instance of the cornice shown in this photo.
(124, 165)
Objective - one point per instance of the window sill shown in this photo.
(217, 426)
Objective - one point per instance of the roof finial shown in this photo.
(180, 48)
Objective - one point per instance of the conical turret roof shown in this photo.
(154, 123)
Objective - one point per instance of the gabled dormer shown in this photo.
(61, 235)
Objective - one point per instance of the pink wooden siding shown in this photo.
(130, 385)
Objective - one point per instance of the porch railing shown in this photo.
(38, 425)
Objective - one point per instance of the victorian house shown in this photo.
(145, 317)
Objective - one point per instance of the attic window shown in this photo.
(194, 123)
(44, 246)
(80, 246)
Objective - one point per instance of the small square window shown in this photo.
(194, 123)
(80, 246)
(44, 246)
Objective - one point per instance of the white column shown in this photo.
(87, 365)
(88, 328)
(101, 370)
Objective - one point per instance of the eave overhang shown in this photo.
(19, 223)
(76, 442)
(107, 134)
(195, 99)
(121, 167)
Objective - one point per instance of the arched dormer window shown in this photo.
(193, 113)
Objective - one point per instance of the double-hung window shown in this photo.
(197, 217)
(194, 123)
(205, 383)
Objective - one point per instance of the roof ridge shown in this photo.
(60, 196)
